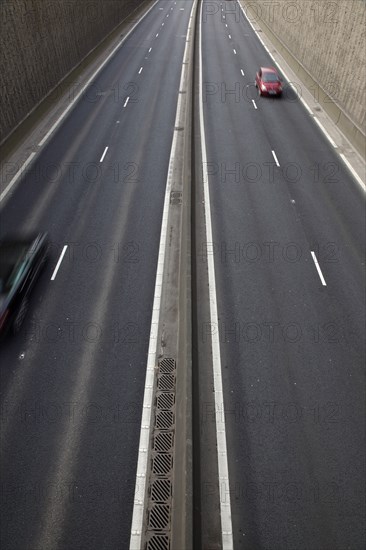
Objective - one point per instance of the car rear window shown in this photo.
(270, 77)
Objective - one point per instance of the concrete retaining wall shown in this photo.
(328, 38)
(41, 41)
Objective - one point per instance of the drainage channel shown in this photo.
(162, 516)
(159, 504)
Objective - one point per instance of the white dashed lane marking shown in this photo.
(104, 154)
(276, 159)
(318, 268)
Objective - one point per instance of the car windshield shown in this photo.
(270, 77)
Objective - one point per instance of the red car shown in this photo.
(268, 81)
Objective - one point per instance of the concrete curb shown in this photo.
(180, 308)
(352, 132)
(22, 147)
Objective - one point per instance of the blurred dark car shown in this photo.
(21, 262)
(268, 81)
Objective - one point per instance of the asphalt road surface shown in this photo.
(72, 381)
(291, 333)
(288, 225)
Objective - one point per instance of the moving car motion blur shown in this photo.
(21, 262)
(268, 81)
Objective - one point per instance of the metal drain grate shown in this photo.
(166, 382)
(161, 490)
(159, 516)
(158, 542)
(163, 442)
(164, 420)
(162, 464)
(165, 401)
(176, 197)
(166, 365)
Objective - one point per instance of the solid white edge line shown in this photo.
(62, 116)
(143, 452)
(16, 176)
(306, 106)
(318, 268)
(104, 154)
(276, 159)
(127, 100)
(348, 164)
(59, 263)
(92, 78)
(325, 132)
(273, 59)
(353, 172)
(254, 103)
(223, 472)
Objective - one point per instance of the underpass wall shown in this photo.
(328, 40)
(41, 41)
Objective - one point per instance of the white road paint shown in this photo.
(150, 50)
(234, 51)
(318, 268)
(276, 62)
(275, 157)
(73, 101)
(224, 485)
(305, 104)
(325, 132)
(229, 35)
(59, 263)
(353, 172)
(140, 71)
(144, 442)
(104, 154)
(127, 100)
(157, 34)
(254, 103)
(17, 175)
(70, 106)
(162, 24)
(242, 72)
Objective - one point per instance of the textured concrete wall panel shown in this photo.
(329, 38)
(41, 41)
